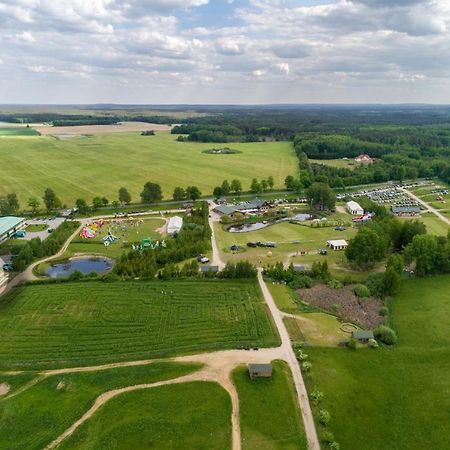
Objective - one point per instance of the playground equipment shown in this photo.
(148, 244)
(20, 234)
(109, 239)
(90, 231)
(364, 218)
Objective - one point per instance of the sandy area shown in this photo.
(4, 388)
(100, 129)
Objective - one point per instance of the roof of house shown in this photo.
(354, 205)
(175, 224)
(362, 334)
(258, 368)
(337, 242)
(225, 209)
(299, 267)
(7, 223)
(406, 209)
(247, 206)
(214, 269)
(363, 156)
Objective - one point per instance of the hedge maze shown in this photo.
(69, 324)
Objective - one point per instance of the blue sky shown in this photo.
(224, 51)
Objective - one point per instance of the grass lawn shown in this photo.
(17, 131)
(269, 413)
(194, 415)
(434, 224)
(32, 228)
(39, 414)
(340, 163)
(284, 297)
(96, 322)
(392, 397)
(90, 166)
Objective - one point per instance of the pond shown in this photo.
(83, 265)
(247, 227)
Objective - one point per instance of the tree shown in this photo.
(270, 182)
(105, 201)
(33, 203)
(320, 196)
(288, 182)
(236, 187)
(193, 193)
(386, 335)
(81, 205)
(217, 192)
(124, 196)
(366, 248)
(9, 204)
(264, 185)
(13, 202)
(115, 204)
(51, 201)
(390, 282)
(255, 187)
(225, 187)
(424, 250)
(152, 193)
(179, 194)
(97, 202)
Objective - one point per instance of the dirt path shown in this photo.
(216, 260)
(427, 206)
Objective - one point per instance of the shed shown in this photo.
(362, 335)
(260, 370)
(406, 210)
(337, 244)
(299, 268)
(211, 269)
(355, 209)
(174, 225)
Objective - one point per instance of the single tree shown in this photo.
(124, 196)
(33, 203)
(81, 205)
(270, 182)
(152, 193)
(288, 182)
(179, 193)
(13, 202)
(51, 201)
(217, 192)
(321, 197)
(105, 201)
(226, 187)
(193, 193)
(255, 187)
(236, 187)
(264, 185)
(97, 202)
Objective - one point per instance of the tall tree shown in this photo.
(81, 205)
(236, 187)
(320, 196)
(217, 192)
(255, 187)
(124, 196)
(51, 201)
(33, 203)
(97, 202)
(264, 185)
(193, 193)
(225, 187)
(152, 193)
(270, 182)
(179, 194)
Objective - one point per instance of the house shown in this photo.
(364, 159)
(299, 268)
(9, 225)
(355, 209)
(363, 336)
(253, 207)
(406, 210)
(337, 244)
(209, 269)
(174, 225)
(260, 370)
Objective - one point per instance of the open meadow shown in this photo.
(89, 166)
(59, 400)
(67, 324)
(394, 398)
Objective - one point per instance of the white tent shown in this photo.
(174, 225)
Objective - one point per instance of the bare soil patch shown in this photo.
(345, 304)
(122, 127)
(4, 388)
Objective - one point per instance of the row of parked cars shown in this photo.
(262, 244)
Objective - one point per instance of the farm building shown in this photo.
(260, 370)
(355, 209)
(211, 269)
(299, 268)
(256, 206)
(9, 225)
(364, 159)
(406, 210)
(337, 244)
(363, 336)
(174, 225)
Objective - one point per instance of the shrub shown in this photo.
(335, 284)
(302, 282)
(306, 366)
(316, 396)
(328, 437)
(334, 446)
(386, 335)
(373, 343)
(352, 344)
(361, 290)
(383, 311)
(324, 417)
(302, 356)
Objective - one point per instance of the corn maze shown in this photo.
(92, 323)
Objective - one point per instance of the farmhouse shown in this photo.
(337, 244)
(363, 336)
(174, 225)
(254, 207)
(406, 210)
(354, 208)
(260, 370)
(9, 225)
(364, 159)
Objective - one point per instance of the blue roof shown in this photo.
(7, 223)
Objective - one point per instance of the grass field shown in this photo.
(96, 322)
(340, 163)
(39, 414)
(17, 131)
(36, 227)
(191, 416)
(100, 165)
(269, 413)
(390, 397)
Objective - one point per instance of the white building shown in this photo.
(174, 225)
(355, 209)
(337, 244)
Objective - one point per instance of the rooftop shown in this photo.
(7, 223)
(337, 242)
(363, 334)
(354, 205)
(258, 368)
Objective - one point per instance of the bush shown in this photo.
(328, 437)
(335, 284)
(324, 417)
(306, 366)
(317, 397)
(334, 446)
(383, 311)
(352, 344)
(373, 343)
(301, 282)
(302, 356)
(386, 335)
(361, 290)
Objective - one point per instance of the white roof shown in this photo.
(337, 242)
(175, 224)
(353, 205)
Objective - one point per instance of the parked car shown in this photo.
(323, 252)
(340, 228)
(252, 244)
(50, 230)
(202, 259)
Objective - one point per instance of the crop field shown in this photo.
(17, 131)
(91, 323)
(39, 414)
(90, 166)
(389, 397)
(269, 413)
(194, 415)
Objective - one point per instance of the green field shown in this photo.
(269, 413)
(90, 166)
(96, 322)
(394, 398)
(39, 414)
(191, 416)
(340, 163)
(17, 131)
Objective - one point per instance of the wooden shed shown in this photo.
(260, 370)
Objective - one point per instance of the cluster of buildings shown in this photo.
(254, 207)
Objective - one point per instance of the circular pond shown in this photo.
(83, 265)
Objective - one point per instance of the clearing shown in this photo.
(389, 397)
(90, 323)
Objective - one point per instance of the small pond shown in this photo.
(247, 227)
(83, 265)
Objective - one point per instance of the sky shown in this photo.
(224, 51)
